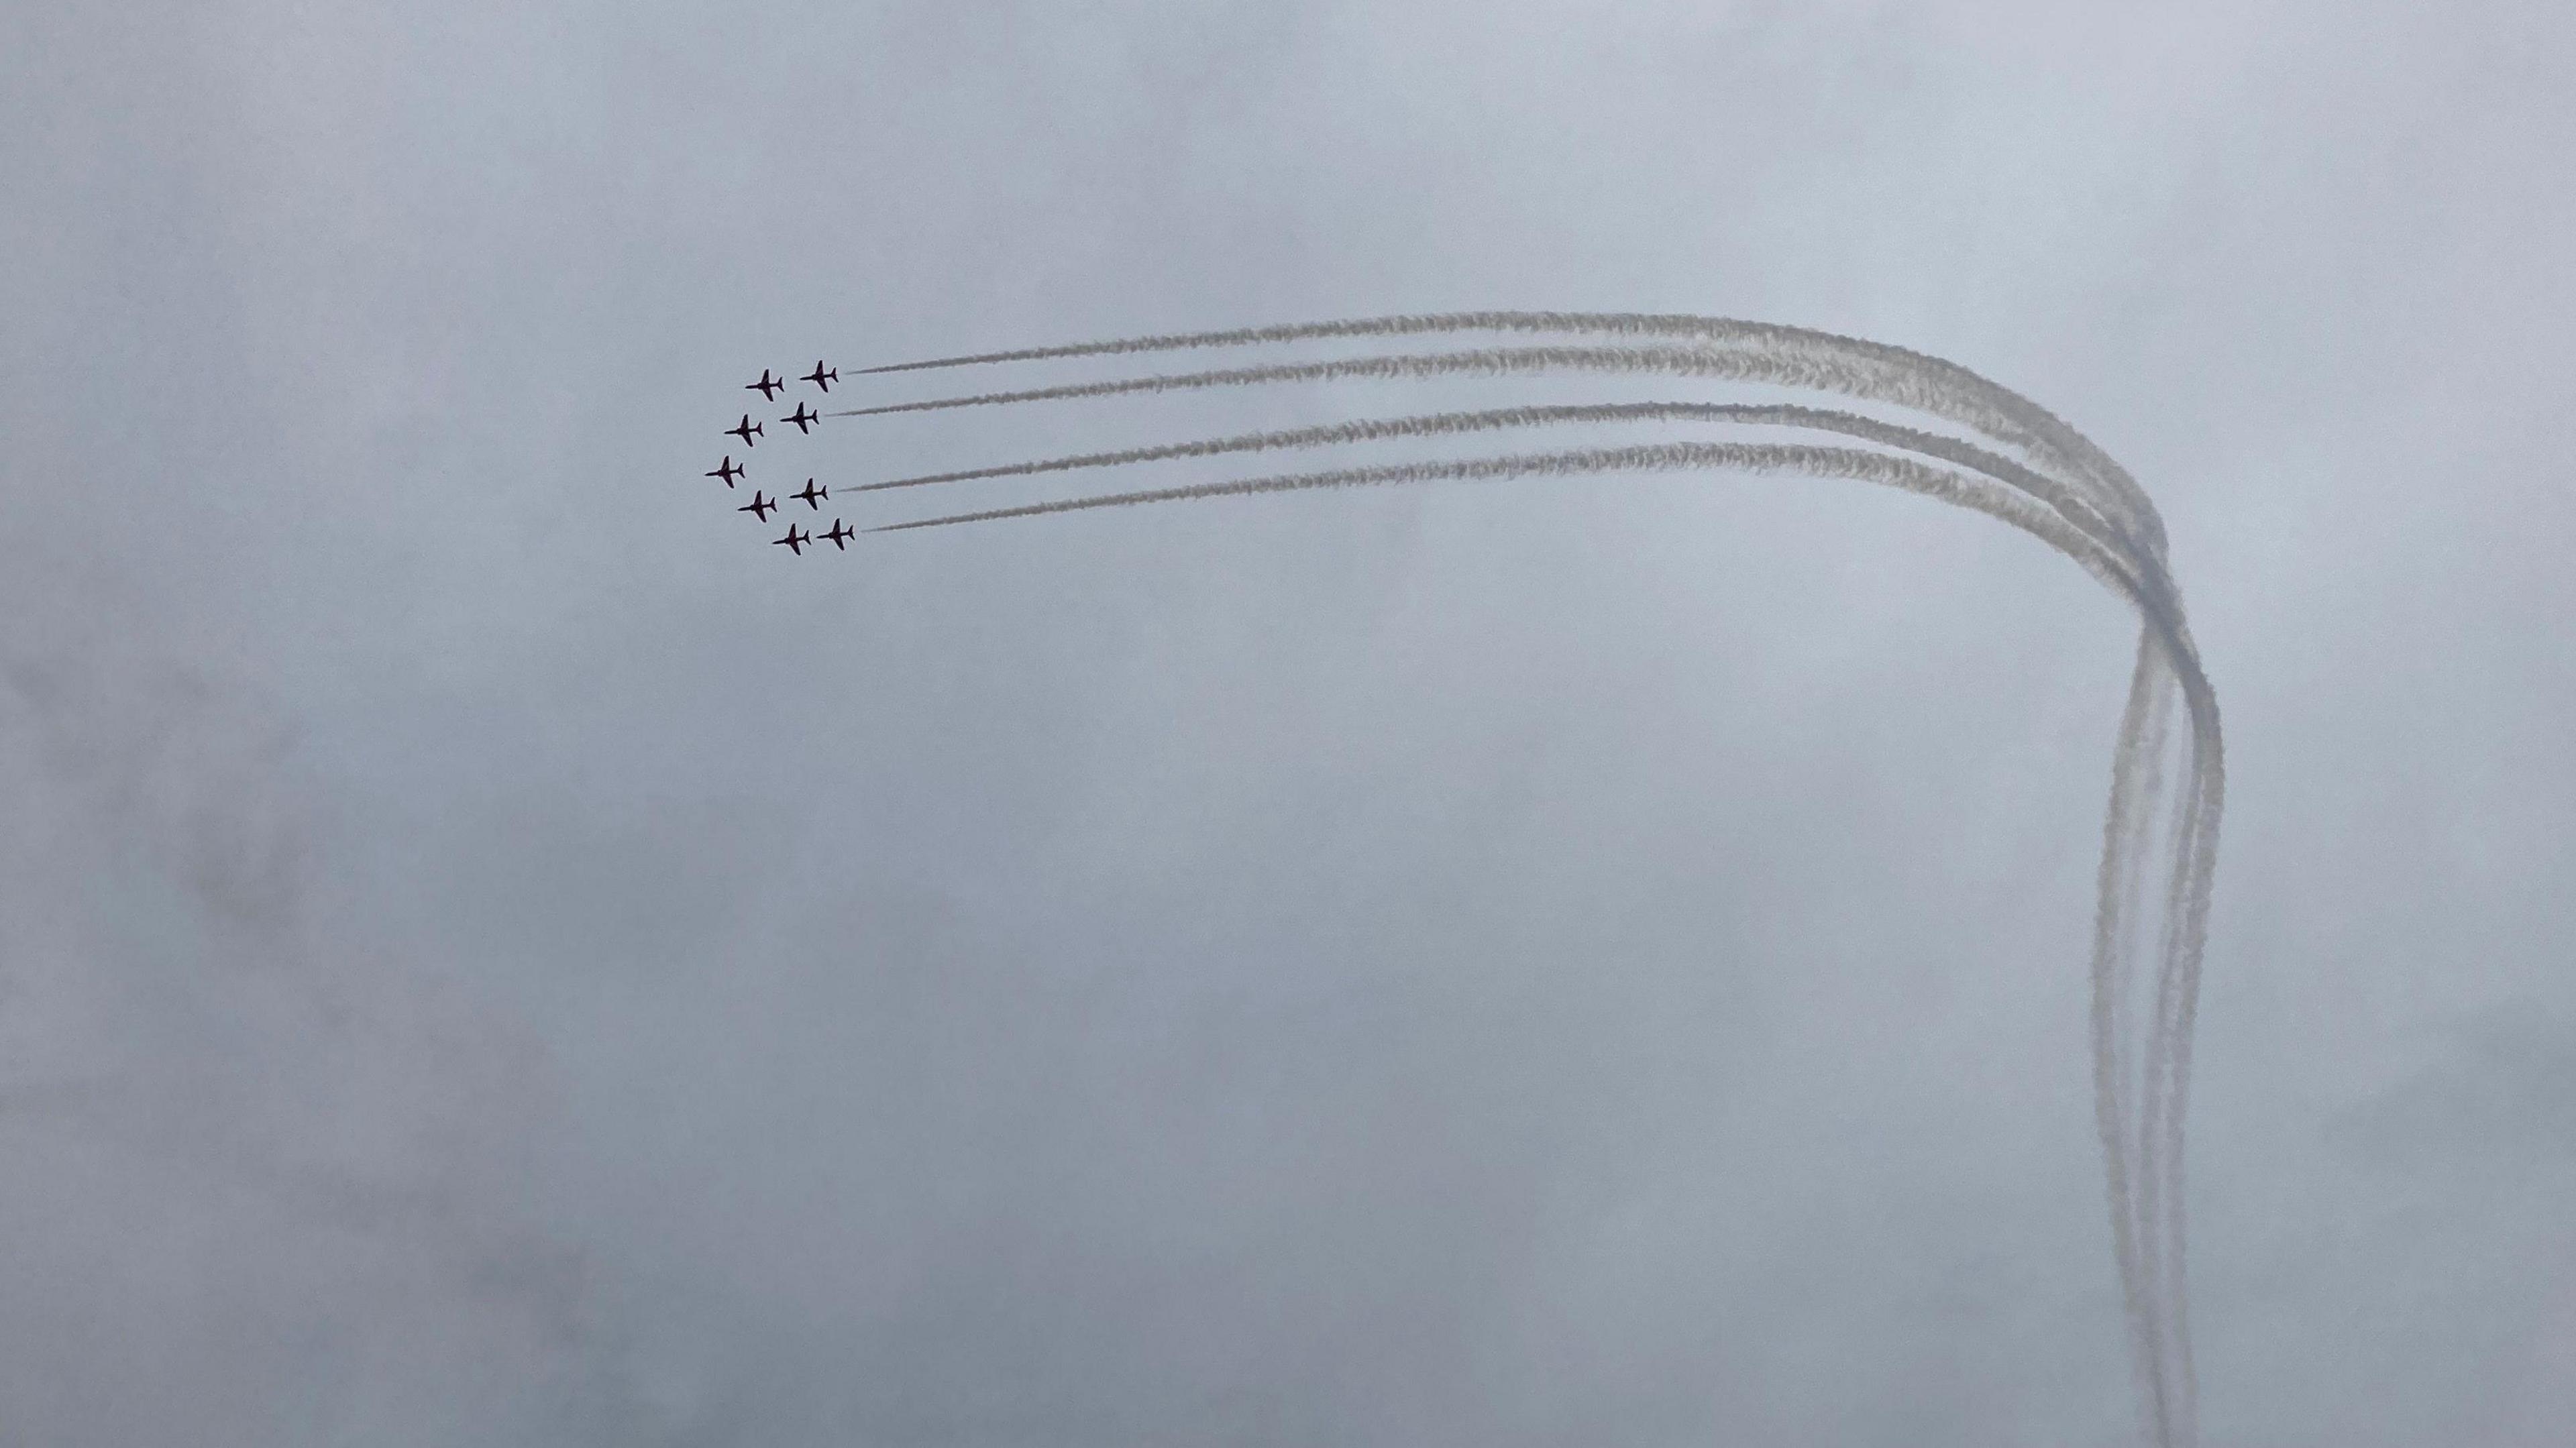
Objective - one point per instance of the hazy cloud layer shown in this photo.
(490, 954)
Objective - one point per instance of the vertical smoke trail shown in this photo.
(2064, 490)
(2125, 826)
(2185, 928)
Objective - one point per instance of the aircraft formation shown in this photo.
(812, 495)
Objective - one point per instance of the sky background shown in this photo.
(491, 953)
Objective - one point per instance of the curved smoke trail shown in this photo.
(2061, 489)
(1944, 387)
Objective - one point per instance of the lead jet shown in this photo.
(821, 378)
(726, 470)
(811, 496)
(841, 535)
(794, 542)
(803, 419)
(759, 507)
(745, 429)
(768, 387)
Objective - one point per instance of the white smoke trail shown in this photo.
(1439, 424)
(1380, 430)
(2185, 928)
(1483, 362)
(2071, 496)
(1982, 495)
(2113, 494)
(2125, 827)
(1932, 384)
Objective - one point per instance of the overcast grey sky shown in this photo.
(491, 953)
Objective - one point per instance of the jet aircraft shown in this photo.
(726, 470)
(803, 419)
(768, 387)
(794, 542)
(811, 496)
(759, 507)
(841, 535)
(821, 378)
(746, 430)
